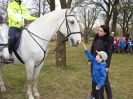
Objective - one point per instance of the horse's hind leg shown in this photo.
(2, 86)
(35, 81)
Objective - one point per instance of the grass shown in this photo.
(74, 82)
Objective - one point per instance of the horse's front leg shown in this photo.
(35, 81)
(2, 86)
(30, 72)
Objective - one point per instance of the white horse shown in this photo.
(35, 39)
(4, 53)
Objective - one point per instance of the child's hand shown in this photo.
(84, 46)
(97, 88)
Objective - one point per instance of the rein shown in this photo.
(3, 46)
(53, 51)
(68, 32)
(3, 22)
(31, 34)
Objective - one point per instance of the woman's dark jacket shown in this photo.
(102, 44)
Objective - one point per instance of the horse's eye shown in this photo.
(72, 22)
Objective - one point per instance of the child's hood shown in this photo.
(103, 64)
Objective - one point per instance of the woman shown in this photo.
(103, 42)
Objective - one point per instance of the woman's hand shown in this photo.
(90, 65)
(107, 69)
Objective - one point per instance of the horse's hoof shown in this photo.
(31, 97)
(37, 97)
(3, 89)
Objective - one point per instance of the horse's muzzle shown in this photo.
(75, 44)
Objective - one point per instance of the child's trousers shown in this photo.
(98, 94)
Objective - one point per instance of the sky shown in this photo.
(29, 4)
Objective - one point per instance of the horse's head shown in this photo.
(4, 53)
(70, 28)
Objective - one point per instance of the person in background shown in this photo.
(130, 46)
(115, 46)
(127, 36)
(112, 34)
(98, 72)
(122, 45)
(103, 42)
(17, 14)
(113, 38)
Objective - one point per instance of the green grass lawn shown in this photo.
(74, 82)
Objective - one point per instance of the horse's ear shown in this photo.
(71, 9)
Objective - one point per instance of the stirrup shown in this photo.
(10, 60)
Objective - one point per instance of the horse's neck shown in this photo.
(4, 33)
(45, 26)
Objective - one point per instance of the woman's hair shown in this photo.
(105, 29)
(107, 39)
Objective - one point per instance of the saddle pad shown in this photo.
(18, 41)
(16, 46)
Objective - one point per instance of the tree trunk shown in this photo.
(114, 23)
(69, 3)
(132, 31)
(52, 4)
(115, 14)
(86, 38)
(61, 51)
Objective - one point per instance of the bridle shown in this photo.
(67, 26)
(68, 33)
(2, 46)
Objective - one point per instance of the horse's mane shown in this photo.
(53, 13)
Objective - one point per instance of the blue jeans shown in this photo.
(12, 37)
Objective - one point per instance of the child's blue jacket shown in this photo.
(98, 70)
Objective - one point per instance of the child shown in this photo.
(98, 72)
(130, 45)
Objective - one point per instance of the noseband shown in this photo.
(67, 26)
(3, 45)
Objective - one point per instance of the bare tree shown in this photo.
(61, 47)
(3, 7)
(107, 7)
(126, 14)
(89, 17)
(39, 7)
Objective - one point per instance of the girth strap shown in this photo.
(17, 55)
